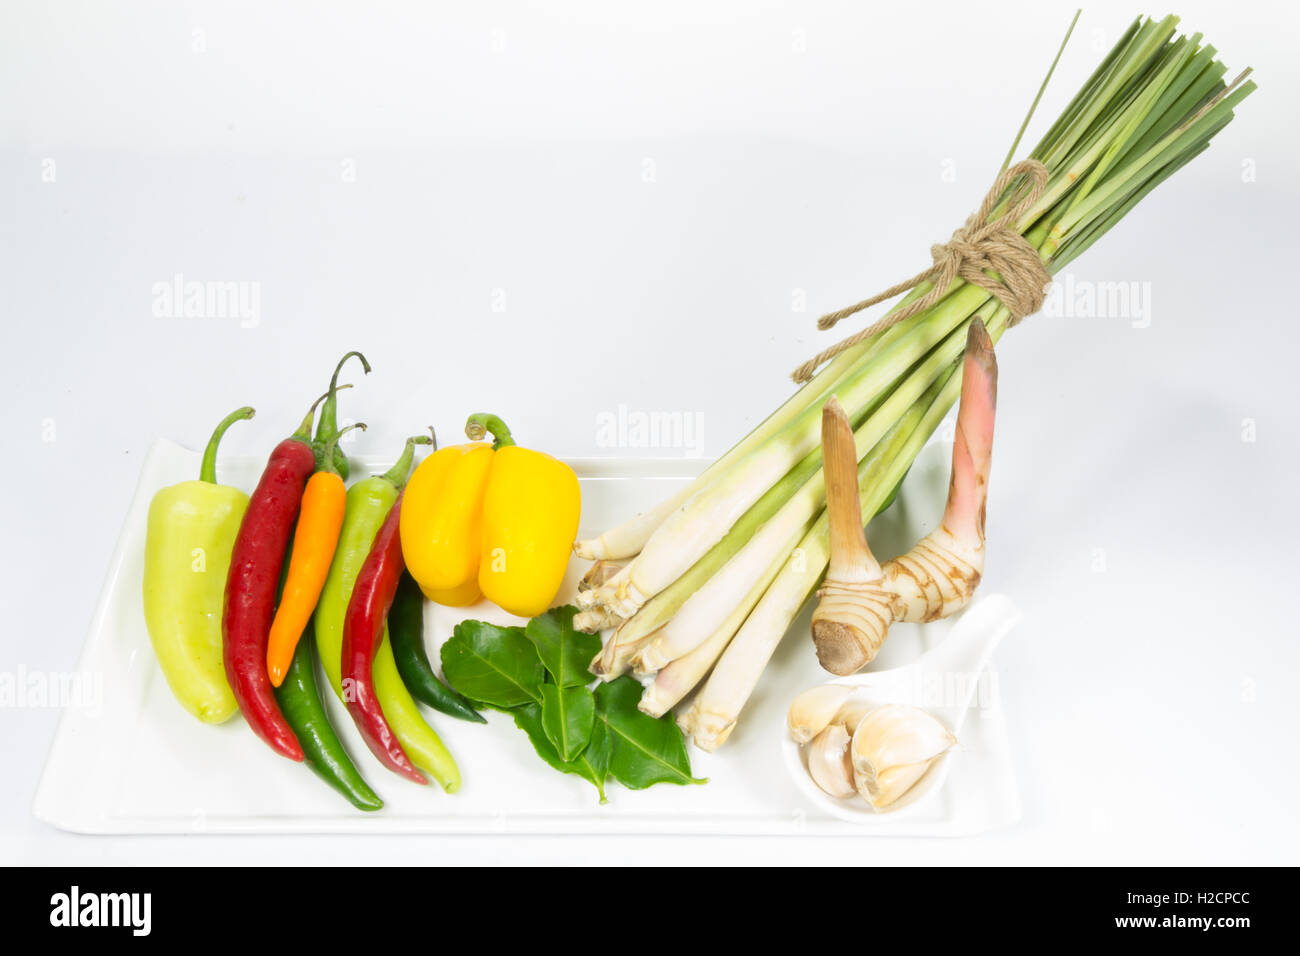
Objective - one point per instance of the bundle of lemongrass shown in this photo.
(707, 583)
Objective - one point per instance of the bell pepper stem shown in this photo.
(401, 469)
(208, 469)
(329, 411)
(481, 424)
(303, 434)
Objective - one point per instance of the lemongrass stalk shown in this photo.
(811, 394)
(634, 633)
(681, 676)
(614, 657)
(706, 610)
(678, 679)
(629, 538)
(664, 605)
(667, 605)
(734, 677)
(689, 533)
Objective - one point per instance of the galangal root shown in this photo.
(861, 598)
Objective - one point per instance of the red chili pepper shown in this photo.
(254, 575)
(363, 630)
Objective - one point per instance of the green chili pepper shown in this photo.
(299, 699)
(406, 630)
(369, 502)
(191, 532)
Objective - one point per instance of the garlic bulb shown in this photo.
(892, 749)
(814, 709)
(829, 764)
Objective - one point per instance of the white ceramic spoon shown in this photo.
(943, 682)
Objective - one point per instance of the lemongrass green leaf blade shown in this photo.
(1042, 87)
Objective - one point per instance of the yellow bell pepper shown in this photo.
(490, 520)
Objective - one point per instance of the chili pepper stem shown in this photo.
(401, 469)
(329, 427)
(480, 424)
(303, 434)
(326, 462)
(208, 469)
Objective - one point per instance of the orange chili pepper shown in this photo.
(324, 501)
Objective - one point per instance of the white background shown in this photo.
(648, 191)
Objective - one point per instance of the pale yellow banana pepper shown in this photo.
(490, 520)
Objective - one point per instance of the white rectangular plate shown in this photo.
(132, 761)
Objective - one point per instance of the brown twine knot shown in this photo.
(977, 248)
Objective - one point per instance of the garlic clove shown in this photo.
(895, 782)
(814, 709)
(898, 734)
(891, 750)
(851, 714)
(829, 764)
